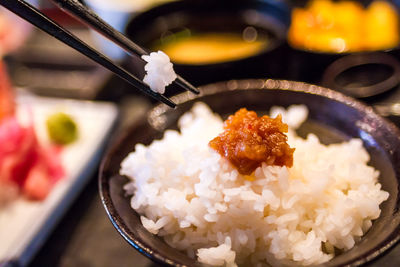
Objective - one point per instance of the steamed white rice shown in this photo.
(200, 204)
(159, 71)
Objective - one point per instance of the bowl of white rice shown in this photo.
(180, 203)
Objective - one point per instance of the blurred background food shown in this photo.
(188, 47)
(27, 166)
(211, 41)
(208, 41)
(62, 128)
(344, 26)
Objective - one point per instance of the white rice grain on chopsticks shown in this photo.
(159, 71)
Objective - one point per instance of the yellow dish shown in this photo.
(344, 26)
(208, 48)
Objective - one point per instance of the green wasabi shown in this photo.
(61, 128)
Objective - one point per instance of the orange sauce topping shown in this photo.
(249, 140)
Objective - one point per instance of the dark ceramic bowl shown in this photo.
(312, 67)
(333, 117)
(268, 18)
(363, 75)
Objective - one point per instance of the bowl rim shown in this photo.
(345, 63)
(344, 53)
(240, 85)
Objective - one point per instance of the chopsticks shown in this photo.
(87, 16)
(35, 17)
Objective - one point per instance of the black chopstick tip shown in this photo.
(171, 105)
(186, 85)
(192, 89)
(195, 91)
(166, 101)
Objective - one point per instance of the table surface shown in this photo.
(85, 236)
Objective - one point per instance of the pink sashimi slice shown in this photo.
(37, 185)
(25, 162)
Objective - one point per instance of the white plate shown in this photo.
(24, 225)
